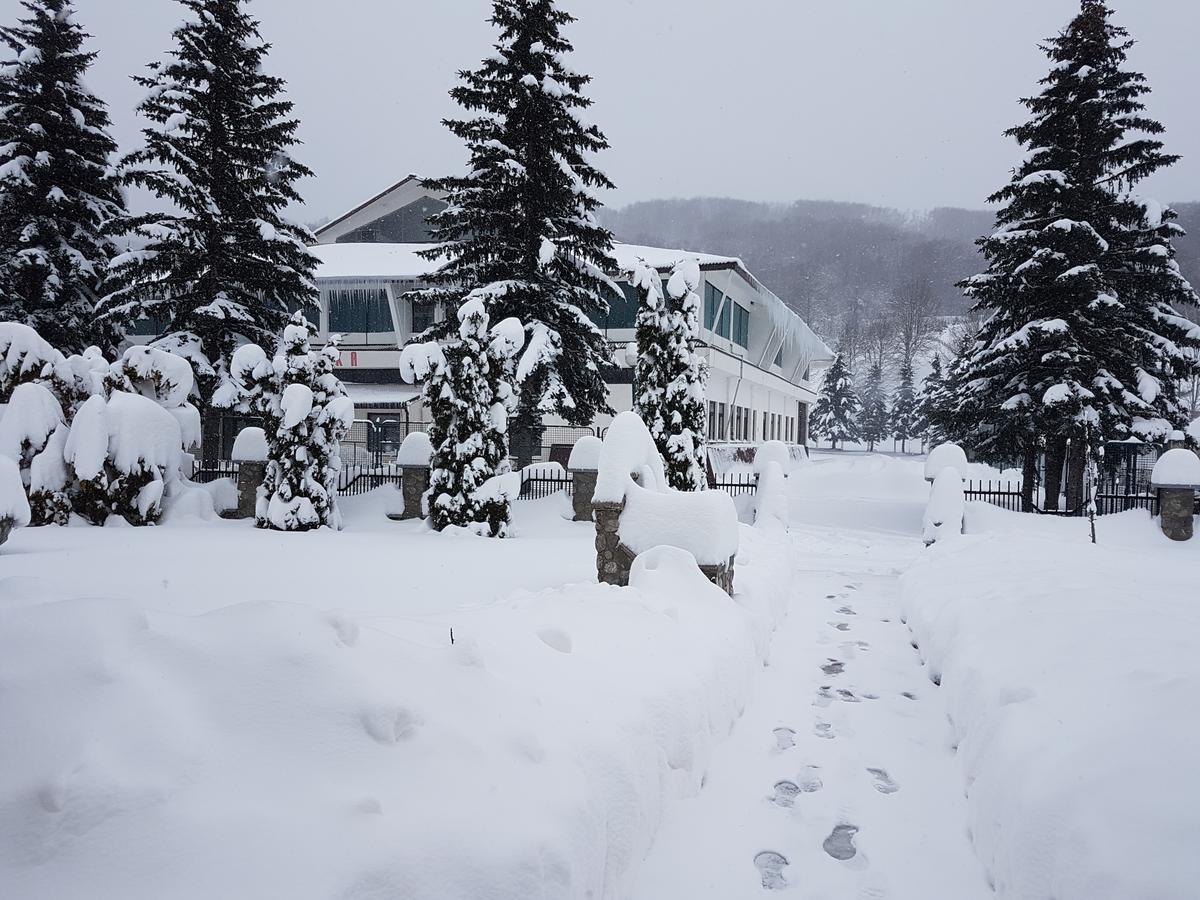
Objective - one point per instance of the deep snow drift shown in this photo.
(1071, 673)
(204, 709)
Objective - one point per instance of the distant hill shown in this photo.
(820, 255)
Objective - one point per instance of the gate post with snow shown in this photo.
(413, 460)
(635, 510)
(946, 456)
(585, 457)
(250, 453)
(1176, 478)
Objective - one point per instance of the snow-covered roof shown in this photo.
(402, 262)
(393, 261)
(381, 394)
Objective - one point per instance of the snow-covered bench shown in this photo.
(636, 511)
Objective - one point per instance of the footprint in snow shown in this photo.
(833, 667)
(841, 626)
(770, 866)
(785, 794)
(824, 696)
(824, 730)
(840, 843)
(809, 781)
(845, 611)
(785, 738)
(908, 695)
(883, 782)
(847, 696)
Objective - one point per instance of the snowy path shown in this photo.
(840, 780)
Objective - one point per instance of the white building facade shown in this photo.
(762, 357)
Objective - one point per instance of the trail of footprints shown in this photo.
(786, 794)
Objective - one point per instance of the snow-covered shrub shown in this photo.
(306, 413)
(467, 385)
(31, 417)
(164, 377)
(947, 504)
(85, 453)
(14, 505)
(24, 357)
(49, 482)
(670, 375)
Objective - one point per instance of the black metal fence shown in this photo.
(735, 483)
(999, 493)
(542, 485)
(1008, 495)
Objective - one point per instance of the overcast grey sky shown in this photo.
(895, 102)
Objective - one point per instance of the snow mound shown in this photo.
(628, 449)
(771, 499)
(772, 452)
(947, 505)
(1175, 468)
(946, 455)
(415, 451)
(704, 523)
(250, 445)
(585, 455)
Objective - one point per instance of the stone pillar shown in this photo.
(583, 486)
(251, 474)
(1176, 506)
(414, 482)
(611, 567)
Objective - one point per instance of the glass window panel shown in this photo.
(712, 301)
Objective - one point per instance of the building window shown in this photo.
(779, 357)
(741, 325)
(754, 426)
(712, 419)
(712, 302)
(721, 421)
(423, 316)
(359, 311)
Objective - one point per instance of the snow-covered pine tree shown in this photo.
(873, 421)
(58, 190)
(669, 377)
(306, 413)
(905, 422)
(467, 385)
(524, 215)
(223, 267)
(931, 405)
(835, 415)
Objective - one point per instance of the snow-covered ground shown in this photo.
(203, 709)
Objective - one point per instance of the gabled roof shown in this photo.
(407, 179)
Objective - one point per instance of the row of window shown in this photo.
(726, 317)
(739, 423)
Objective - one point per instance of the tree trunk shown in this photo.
(1076, 463)
(1056, 455)
(1029, 479)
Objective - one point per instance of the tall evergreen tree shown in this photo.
(670, 376)
(835, 415)
(931, 405)
(58, 190)
(905, 414)
(874, 419)
(524, 215)
(224, 266)
(1082, 342)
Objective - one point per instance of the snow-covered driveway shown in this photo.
(840, 780)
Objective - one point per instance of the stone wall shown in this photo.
(414, 482)
(251, 474)
(1176, 507)
(583, 487)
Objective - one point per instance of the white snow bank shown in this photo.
(947, 504)
(415, 450)
(198, 749)
(250, 445)
(14, 505)
(946, 455)
(628, 449)
(704, 523)
(585, 454)
(1071, 672)
(1175, 468)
